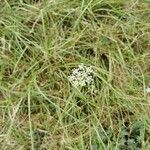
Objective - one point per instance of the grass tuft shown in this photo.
(41, 41)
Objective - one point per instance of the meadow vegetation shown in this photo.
(41, 41)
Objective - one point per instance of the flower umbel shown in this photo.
(81, 76)
(147, 90)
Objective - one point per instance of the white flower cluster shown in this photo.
(81, 76)
(147, 90)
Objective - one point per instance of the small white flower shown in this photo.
(147, 90)
(89, 79)
(81, 66)
(81, 76)
(75, 83)
(89, 69)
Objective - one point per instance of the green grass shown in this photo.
(41, 41)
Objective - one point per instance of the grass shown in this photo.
(41, 41)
